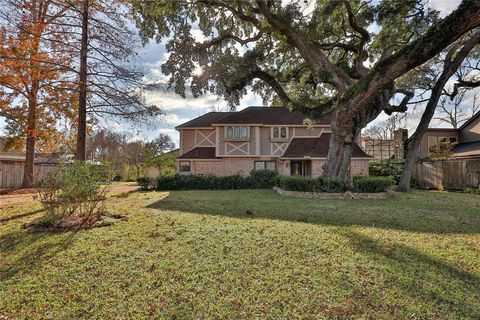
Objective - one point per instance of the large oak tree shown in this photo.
(329, 56)
(33, 85)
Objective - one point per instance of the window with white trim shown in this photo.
(185, 166)
(265, 165)
(279, 133)
(237, 132)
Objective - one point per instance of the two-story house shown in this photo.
(228, 143)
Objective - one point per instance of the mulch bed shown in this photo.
(74, 223)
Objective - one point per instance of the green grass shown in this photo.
(198, 255)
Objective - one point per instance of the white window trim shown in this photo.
(265, 164)
(180, 166)
(279, 132)
(226, 138)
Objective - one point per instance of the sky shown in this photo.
(179, 110)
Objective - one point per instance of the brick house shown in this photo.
(228, 143)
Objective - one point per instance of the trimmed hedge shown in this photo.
(257, 179)
(267, 179)
(203, 182)
(372, 184)
(330, 184)
(294, 183)
(307, 184)
(263, 178)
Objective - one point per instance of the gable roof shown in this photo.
(469, 121)
(268, 116)
(316, 147)
(204, 121)
(252, 115)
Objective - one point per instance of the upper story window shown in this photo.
(279, 133)
(237, 132)
(436, 144)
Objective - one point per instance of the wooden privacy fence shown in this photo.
(451, 174)
(11, 173)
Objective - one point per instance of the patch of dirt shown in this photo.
(74, 223)
(10, 200)
(23, 195)
(7, 192)
(123, 188)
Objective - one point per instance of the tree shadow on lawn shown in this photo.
(427, 212)
(20, 216)
(22, 251)
(419, 277)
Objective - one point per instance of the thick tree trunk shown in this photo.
(30, 145)
(82, 99)
(345, 130)
(340, 148)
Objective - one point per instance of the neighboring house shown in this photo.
(228, 143)
(11, 167)
(466, 140)
(11, 155)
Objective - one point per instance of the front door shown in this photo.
(296, 168)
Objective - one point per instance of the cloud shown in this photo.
(444, 6)
(173, 119)
(166, 131)
(198, 35)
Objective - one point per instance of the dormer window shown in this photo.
(237, 132)
(279, 133)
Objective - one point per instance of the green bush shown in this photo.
(371, 184)
(387, 168)
(78, 189)
(263, 178)
(330, 184)
(472, 190)
(146, 183)
(203, 182)
(296, 183)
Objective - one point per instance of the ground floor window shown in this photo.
(185, 166)
(265, 165)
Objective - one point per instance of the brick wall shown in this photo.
(317, 169)
(359, 167)
(243, 166)
(224, 167)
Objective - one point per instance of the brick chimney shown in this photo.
(400, 137)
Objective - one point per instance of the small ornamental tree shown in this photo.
(74, 191)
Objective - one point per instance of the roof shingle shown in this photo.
(199, 153)
(205, 121)
(269, 116)
(316, 148)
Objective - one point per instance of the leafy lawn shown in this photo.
(199, 255)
